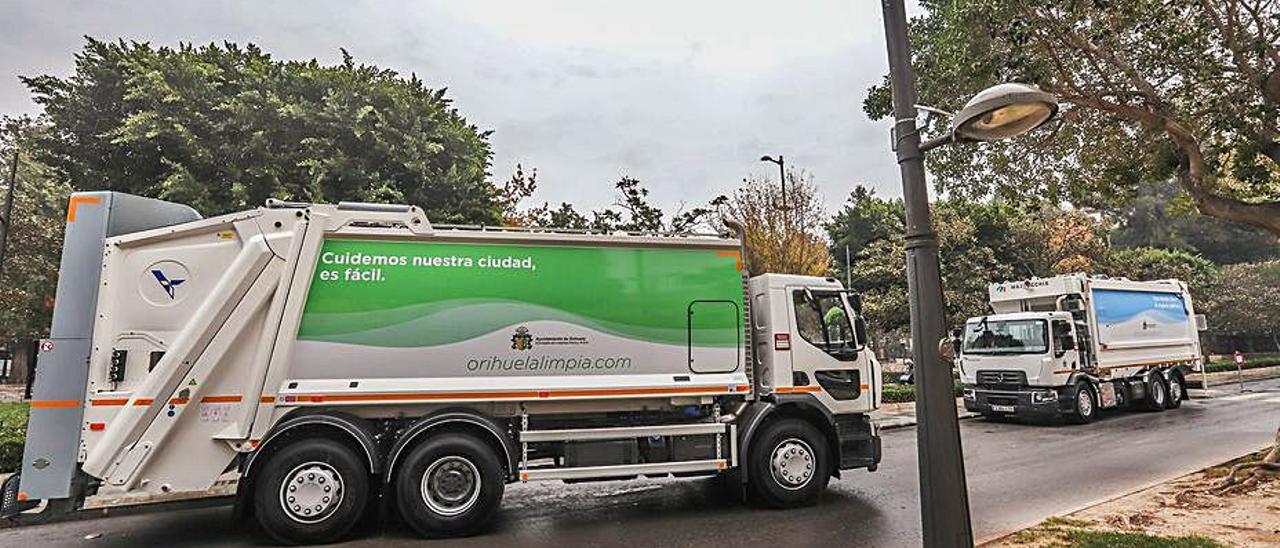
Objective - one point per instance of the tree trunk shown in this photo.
(1195, 173)
(1262, 215)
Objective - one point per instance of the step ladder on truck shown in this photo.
(338, 358)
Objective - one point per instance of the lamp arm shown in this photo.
(944, 139)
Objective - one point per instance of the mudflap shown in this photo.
(10, 506)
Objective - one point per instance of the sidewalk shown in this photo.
(902, 415)
(1227, 377)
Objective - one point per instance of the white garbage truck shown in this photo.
(346, 360)
(1072, 345)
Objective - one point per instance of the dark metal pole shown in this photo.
(944, 498)
(8, 205)
(782, 172)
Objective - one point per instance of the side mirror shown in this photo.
(1068, 342)
(860, 330)
(855, 302)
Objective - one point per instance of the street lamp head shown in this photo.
(767, 158)
(1003, 111)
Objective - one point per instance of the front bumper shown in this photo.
(1023, 402)
(859, 442)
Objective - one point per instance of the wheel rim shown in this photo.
(1157, 391)
(1175, 390)
(311, 492)
(792, 463)
(1084, 402)
(451, 485)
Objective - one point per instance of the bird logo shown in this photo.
(165, 283)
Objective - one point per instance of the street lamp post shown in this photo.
(782, 176)
(999, 112)
(786, 217)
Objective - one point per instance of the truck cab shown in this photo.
(1019, 360)
(810, 338)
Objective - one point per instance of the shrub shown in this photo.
(13, 433)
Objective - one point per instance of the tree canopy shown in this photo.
(1156, 90)
(30, 271)
(631, 210)
(1159, 216)
(224, 127)
(783, 233)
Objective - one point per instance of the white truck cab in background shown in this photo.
(1072, 345)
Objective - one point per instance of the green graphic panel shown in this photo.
(414, 294)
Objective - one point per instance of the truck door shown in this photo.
(1066, 349)
(827, 355)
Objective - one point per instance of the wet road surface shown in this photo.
(1018, 474)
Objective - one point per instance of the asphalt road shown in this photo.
(1018, 475)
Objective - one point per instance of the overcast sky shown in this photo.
(683, 95)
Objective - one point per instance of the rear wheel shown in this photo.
(450, 485)
(790, 464)
(1157, 393)
(311, 492)
(1085, 409)
(1176, 391)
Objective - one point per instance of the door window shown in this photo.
(1062, 337)
(822, 321)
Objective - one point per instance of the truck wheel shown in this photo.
(789, 464)
(449, 485)
(1086, 406)
(1174, 400)
(1157, 393)
(313, 491)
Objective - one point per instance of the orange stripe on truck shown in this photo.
(797, 389)
(76, 201)
(54, 404)
(108, 402)
(735, 254)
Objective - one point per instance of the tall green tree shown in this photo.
(29, 274)
(979, 243)
(1159, 216)
(224, 127)
(1243, 301)
(783, 232)
(1149, 263)
(1183, 90)
(631, 211)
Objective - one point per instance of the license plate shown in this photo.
(1002, 408)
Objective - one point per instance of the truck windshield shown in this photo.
(987, 336)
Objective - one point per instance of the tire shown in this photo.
(1085, 409)
(323, 474)
(790, 464)
(1177, 391)
(1157, 394)
(449, 485)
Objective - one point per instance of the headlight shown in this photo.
(1041, 396)
(968, 394)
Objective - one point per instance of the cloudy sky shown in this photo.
(683, 95)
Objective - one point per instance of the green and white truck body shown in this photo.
(325, 357)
